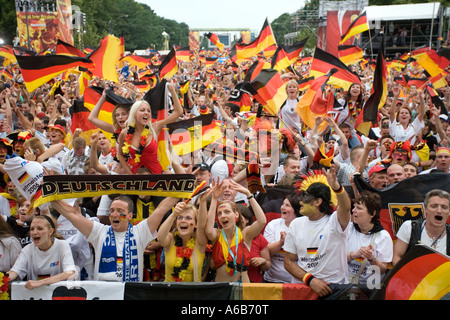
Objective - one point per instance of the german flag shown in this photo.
(157, 98)
(436, 100)
(8, 53)
(263, 41)
(421, 274)
(270, 50)
(84, 79)
(286, 56)
(277, 291)
(193, 134)
(240, 97)
(433, 62)
(255, 69)
(135, 60)
(313, 104)
(38, 70)
(183, 54)
(269, 89)
(93, 93)
(5, 72)
(209, 61)
(121, 50)
(356, 27)
(438, 81)
(350, 54)
(168, 66)
(369, 114)
(105, 58)
(323, 62)
(142, 86)
(215, 40)
(68, 50)
(304, 83)
(79, 114)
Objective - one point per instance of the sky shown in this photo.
(223, 14)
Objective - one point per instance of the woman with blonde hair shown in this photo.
(47, 260)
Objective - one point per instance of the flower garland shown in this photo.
(127, 144)
(113, 140)
(183, 257)
(4, 282)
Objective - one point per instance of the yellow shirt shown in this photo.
(170, 260)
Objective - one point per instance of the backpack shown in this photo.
(416, 233)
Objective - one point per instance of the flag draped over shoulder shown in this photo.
(369, 114)
(215, 40)
(193, 134)
(263, 41)
(168, 66)
(68, 50)
(59, 187)
(323, 62)
(269, 89)
(105, 58)
(358, 26)
(38, 70)
(421, 274)
(313, 104)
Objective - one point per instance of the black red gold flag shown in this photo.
(215, 40)
(263, 41)
(369, 114)
(421, 274)
(157, 98)
(350, 54)
(68, 50)
(136, 60)
(193, 134)
(436, 100)
(105, 58)
(169, 65)
(323, 62)
(79, 114)
(358, 26)
(304, 83)
(183, 54)
(287, 55)
(38, 70)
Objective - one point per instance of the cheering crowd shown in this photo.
(307, 222)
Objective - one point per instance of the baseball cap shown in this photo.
(202, 166)
(376, 168)
(443, 117)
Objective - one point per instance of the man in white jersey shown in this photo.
(318, 239)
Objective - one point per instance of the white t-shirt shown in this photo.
(320, 246)
(404, 234)
(10, 248)
(277, 272)
(290, 116)
(399, 134)
(382, 245)
(36, 264)
(98, 235)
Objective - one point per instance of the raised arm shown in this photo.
(155, 218)
(344, 203)
(83, 224)
(93, 116)
(177, 112)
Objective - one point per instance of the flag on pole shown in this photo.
(215, 40)
(358, 26)
(263, 41)
(105, 58)
(168, 66)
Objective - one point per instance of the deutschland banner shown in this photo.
(38, 70)
(59, 187)
(421, 274)
(404, 200)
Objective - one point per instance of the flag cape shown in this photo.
(183, 54)
(215, 40)
(105, 58)
(38, 70)
(67, 49)
(358, 26)
(168, 66)
(193, 134)
(350, 54)
(269, 89)
(369, 114)
(59, 187)
(312, 104)
(421, 274)
(263, 41)
(323, 62)
(404, 200)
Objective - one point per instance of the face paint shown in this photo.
(307, 209)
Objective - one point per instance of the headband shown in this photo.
(442, 150)
(52, 224)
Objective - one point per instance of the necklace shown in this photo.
(114, 137)
(183, 257)
(127, 144)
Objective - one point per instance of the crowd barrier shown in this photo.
(100, 290)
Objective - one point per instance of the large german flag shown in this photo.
(269, 89)
(313, 104)
(421, 274)
(135, 60)
(38, 70)
(183, 54)
(157, 97)
(433, 62)
(255, 69)
(358, 26)
(215, 40)
(369, 114)
(193, 134)
(68, 50)
(168, 66)
(350, 54)
(79, 114)
(263, 41)
(105, 58)
(8, 53)
(323, 62)
(287, 55)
